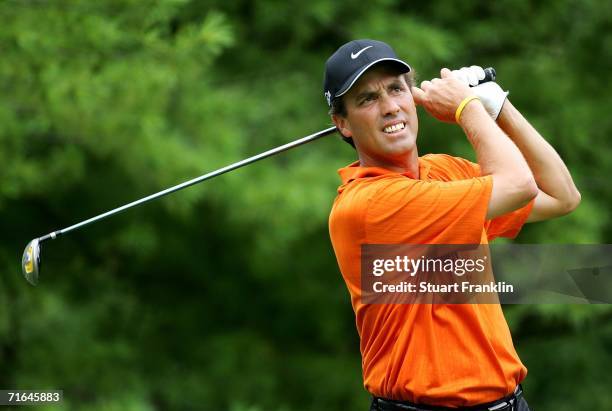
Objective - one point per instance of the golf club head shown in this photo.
(30, 262)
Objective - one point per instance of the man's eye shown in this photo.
(368, 99)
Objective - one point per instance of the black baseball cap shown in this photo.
(350, 61)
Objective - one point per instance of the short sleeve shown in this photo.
(459, 168)
(510, 224)
(507, 225)
(403, 210)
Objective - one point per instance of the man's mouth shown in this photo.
(394, 128)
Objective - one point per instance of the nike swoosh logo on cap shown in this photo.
(355, 55)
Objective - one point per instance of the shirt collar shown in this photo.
(354, 171)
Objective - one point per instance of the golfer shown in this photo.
(434, 356)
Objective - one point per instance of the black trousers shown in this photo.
(520, 405)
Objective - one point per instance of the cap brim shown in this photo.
(353, 79)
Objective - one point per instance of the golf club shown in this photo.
(30, 261)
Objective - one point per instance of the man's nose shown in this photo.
(389, 106)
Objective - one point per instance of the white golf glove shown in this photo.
(490, 93)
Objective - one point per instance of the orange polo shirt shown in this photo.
(449, 355)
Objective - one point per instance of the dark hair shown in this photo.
(339, 108)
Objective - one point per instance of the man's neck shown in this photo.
(408, 164)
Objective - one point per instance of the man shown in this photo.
(434, 356)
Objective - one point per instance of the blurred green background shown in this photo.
(227, 296)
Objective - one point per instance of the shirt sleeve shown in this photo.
(461, 167)
(510, 224)
(507, 225)
(403, 210)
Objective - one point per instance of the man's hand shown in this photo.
(441, 96)
(490, 93)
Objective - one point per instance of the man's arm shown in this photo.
(513, 183)
(557, 194)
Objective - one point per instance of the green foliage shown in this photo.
(228, 295)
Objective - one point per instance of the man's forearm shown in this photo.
(513, 183)
(494, 153)
(549, 170)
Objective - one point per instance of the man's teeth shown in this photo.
(394, 128)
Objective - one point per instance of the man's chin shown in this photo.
(401, 146)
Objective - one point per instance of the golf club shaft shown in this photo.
(193, 181)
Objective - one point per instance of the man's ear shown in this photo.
(342, 124)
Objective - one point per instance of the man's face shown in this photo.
(380, 116)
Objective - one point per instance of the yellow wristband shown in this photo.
(462, 105)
